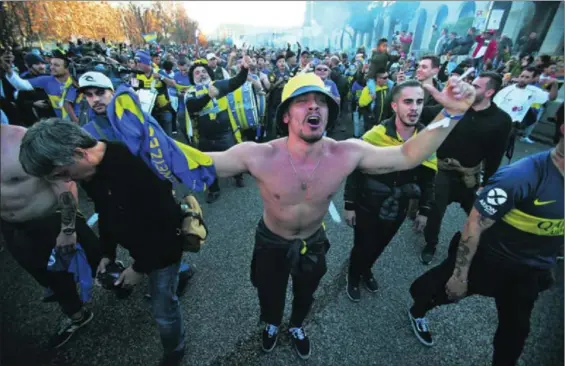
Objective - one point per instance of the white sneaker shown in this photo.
(526, 140)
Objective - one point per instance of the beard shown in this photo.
(203, 81)
(310, 139)
(478, 99)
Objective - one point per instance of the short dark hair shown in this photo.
(397, 89)
(533, 69)
(433, 59)
(182, 61)
(380, 71)
(494, 80)
(381, 41)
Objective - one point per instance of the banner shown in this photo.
(150, 37)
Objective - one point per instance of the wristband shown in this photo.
(455, 117)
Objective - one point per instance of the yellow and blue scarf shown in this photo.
(169, 159)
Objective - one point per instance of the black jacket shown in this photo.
(479, 137)
(135, 209)
(361, 189)
(28, 113)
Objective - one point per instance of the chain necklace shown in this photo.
(303, 184)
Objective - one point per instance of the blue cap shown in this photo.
(32, 59)
(143, 58)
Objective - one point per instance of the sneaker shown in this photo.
(526, 140)
(69, 328)
(371, 284)
(353, 291)
(270, 337)
(421, 330)
(212, 197)
(428, 253)
(301, 342)
(173, 359)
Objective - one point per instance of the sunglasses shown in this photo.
(322, 69)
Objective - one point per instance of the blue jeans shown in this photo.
(165, 119)
(166, 308)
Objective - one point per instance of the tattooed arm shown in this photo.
(476, 224)
(68, 205)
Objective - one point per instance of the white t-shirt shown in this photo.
(516, 101)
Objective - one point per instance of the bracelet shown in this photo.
(455, 117)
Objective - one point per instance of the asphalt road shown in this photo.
(221, 309)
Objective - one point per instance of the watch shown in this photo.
(455, 117)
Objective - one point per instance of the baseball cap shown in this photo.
(32, 59)
(211, 56)
(93, 79)
(143, 58)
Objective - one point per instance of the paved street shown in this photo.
(220, 307)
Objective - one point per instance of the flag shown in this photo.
(169, 159)
(150, 37)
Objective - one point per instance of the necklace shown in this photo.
(303, 184)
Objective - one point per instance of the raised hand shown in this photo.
(457, 96)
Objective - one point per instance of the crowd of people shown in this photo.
(120, 120)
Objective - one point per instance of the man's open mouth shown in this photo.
(314, 121)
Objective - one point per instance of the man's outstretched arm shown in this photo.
(234, 160)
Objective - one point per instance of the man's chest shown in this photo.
(293, 184)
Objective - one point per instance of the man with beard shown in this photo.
(479, 138)
(57, 85)
(507, 251)
(298, 176)
(376, 205)
(206, 100)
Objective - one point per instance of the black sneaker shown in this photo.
(270, 337)
(69, 328)
(212, 197)
(301, 342)
(371, 284)
(428, 253)
(353, 291)
(172, 359)
(421, 330)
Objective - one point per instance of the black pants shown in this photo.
(30, 244)
(448, 188)
(371, 236)
(221, 143)
(515, 289)
(270, 269)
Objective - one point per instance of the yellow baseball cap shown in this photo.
(304, 84)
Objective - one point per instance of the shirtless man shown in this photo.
(32, 226)
(298, 175)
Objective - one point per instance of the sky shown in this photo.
(210, 14)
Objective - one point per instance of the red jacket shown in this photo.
(490, 53)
